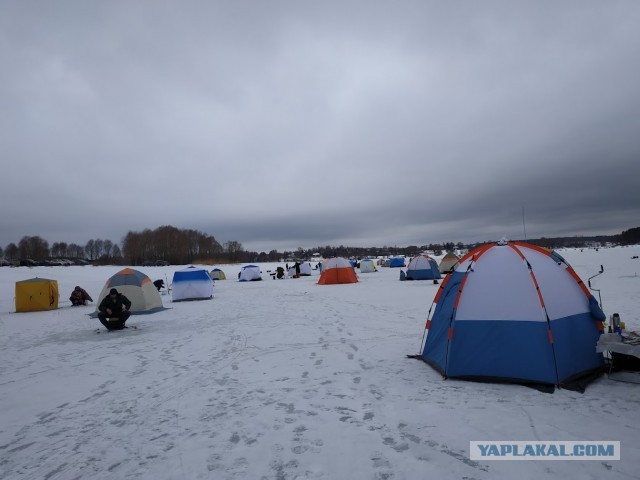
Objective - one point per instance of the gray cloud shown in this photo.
(295, 124)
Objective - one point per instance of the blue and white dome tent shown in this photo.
(518, 313)
(191, 283)
(423, 267)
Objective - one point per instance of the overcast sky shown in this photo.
(286, 124)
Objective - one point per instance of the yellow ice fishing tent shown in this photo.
(36, 294)
(217, 274)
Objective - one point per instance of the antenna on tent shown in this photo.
(595, 289)
(524, 226)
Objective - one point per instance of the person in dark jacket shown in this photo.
(114, 310)
(79, 296)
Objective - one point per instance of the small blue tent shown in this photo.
(423, 267)
(396, 262)
(192, 283)
(515, 312)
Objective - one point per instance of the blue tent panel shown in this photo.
(501, 349)
(435, 348)
(396, 262)
(424, 274)
(572, 333)
(191, 275)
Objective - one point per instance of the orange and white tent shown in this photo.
(337, 270)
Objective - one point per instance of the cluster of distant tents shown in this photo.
(332, 271)
(342, 270)
(508, 311)
(191, 283)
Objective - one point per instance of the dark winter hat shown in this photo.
(113, 291)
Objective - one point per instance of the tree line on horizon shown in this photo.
(167, 244)
(175, 246)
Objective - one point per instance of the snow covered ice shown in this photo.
(283, 379)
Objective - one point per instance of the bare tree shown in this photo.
(234, 250)
(170, 244)
(116, 254)
(75, 251)
(11, 252)
(107, 247)
(99, 247)
(131, 248)
(59, 249)
(90, 249)
(34, 248)
(273, 256)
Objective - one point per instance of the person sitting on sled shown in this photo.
(114, 310)
(79, 296)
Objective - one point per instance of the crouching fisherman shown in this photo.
(79, 296)
(114, 310)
